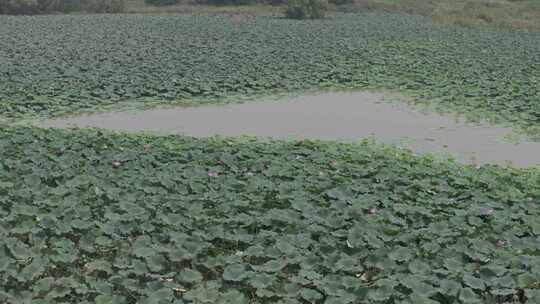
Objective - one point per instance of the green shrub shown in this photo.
(160, 2)
(341, 2)
(306, 9)
(102, 6)
(237, 2)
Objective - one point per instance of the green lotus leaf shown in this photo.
(235, 272)
(190, 276)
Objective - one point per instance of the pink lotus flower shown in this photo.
(213, 174)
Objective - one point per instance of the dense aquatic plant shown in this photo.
(93, 217)
(130, 59)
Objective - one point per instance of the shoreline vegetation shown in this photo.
(496, 14)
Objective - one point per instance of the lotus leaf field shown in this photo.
(56, 65)
(93, 216)
(89, 216)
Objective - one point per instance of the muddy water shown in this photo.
(332, 116)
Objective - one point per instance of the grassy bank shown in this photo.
(93, 217)
(499, 14)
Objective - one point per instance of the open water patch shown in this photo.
(343, 116)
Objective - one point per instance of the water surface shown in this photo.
(330, 116)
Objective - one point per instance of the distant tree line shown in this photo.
(214, 2)
(300, 9)
(28, 7)
(233, 2)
